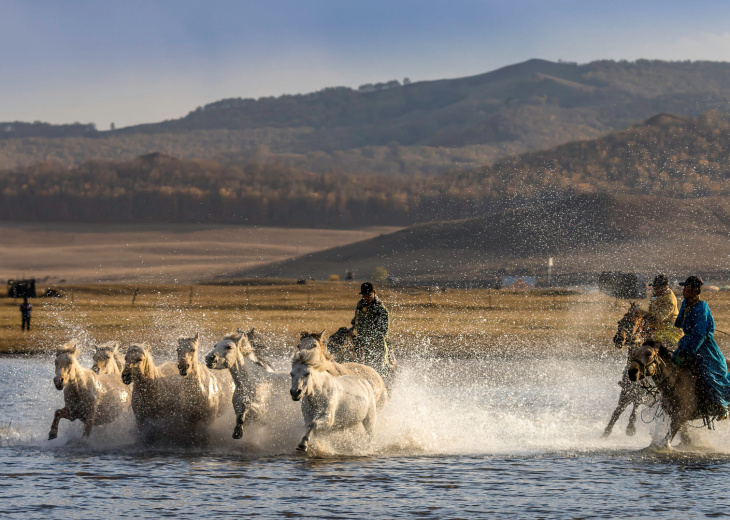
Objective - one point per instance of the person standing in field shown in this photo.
(371, 326)
(25, 310)
(663, 312)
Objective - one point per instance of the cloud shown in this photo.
(704, 46)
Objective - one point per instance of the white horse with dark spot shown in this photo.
(313, 340)
(261, 393)
(93, 399)
(329, 402)
(107, 359)
(207, 393)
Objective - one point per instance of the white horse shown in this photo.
(313, 340)
(93, 399)
(329, 402)
(157, 394)
(261, 393)
(108, 359)
(206, 393)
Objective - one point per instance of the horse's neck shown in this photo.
(111, 368)
(321, 380)
(80, 378)
(151, 372)
(243, 369)
(668, 373)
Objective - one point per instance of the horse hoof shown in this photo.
(52, 435)
(237, 434)
(302, 447)
(630, 430)
(606, 433)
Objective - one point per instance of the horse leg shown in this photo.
(623, 402)
(240, 419)
(674, 427)
(88, 423)
(304, 444)
(685, 436)
(369, 422)
(61, 413)
(631, 427)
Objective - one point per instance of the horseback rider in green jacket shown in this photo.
(371, 324)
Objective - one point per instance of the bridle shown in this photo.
(658, 363)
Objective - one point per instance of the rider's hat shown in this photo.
(693, 281)
(660, 280)
(367, 288)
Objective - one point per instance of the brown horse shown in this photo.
(632, 332)
(682, 397)
(341, 345)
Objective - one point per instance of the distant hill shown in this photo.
(583, 233)
(666, 156)
(423, 127)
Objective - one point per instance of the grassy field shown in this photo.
(456, 322)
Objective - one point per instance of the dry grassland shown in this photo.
(108, 253)
(457, 322)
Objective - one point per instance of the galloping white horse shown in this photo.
(206, 393)
(156, 395)
(313, 340)
(261, 393)
(329, 402)
(92, 399)
(108, 359)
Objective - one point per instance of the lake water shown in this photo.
(459, 439)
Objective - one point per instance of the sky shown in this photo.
(136, 61)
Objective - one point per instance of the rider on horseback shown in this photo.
(698, 350)
(663, 313)
(371, 324)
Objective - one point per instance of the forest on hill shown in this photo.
(666, 156)
(426, 127)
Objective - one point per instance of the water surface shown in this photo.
(459, 439)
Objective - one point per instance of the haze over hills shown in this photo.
(667, 156)
(423, 127)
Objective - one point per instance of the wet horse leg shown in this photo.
(623, 401)
(238, 429)
(61, 413)
(631, 427)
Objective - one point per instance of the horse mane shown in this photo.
(311, 357)
(142, 347)
(184, 340)
(317, 337)
(109, 345)
(69, 347)
(257, 357)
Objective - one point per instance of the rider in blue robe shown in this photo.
(698, 350)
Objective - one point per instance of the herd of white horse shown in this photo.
(184, 399)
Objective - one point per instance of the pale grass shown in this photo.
(455, 321)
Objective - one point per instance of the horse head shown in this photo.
(630, 328)
(137, 363)
(105, 358)
(312, 341)
(66, 364)
(304, 363)
(225, 352)
(647, 360)
(187, 353)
